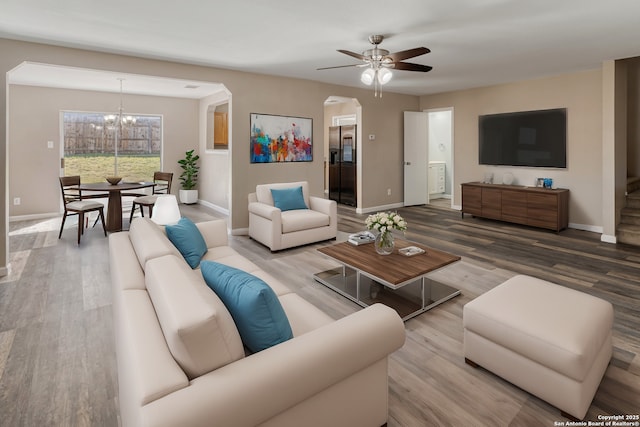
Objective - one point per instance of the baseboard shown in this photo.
(34, 216)
(606, 238)
(379, 208)
(240, 232)
(214, 207)
(4, 271)
(586, 227)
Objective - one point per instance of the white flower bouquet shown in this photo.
(383, 222)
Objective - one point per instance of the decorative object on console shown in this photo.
(166, 210)
(488, 178)
(280, 139)
(189, 177)
(507, 178)
(548, 183)
(383, 223)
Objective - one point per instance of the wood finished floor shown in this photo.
(57, 363)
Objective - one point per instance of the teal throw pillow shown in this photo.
(288, 199)
(255, 308)
(187, 238)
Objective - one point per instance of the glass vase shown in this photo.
(384, 243)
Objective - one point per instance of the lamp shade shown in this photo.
(368, 76)
(384, 75)
(165, 210)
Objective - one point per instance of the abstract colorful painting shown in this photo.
(280, 139)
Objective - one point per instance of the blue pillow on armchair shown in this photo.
(288, 199)
(187, 238)
(255, 308)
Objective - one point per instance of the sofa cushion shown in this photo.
(149, 241)
(197, 327)
(187, 238)
(263, 191)
(298, 220)
(255, 308)
(288, 199)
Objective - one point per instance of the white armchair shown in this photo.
(281, 229)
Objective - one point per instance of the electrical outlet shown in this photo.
(49, 144)
(16, 201)
(388, 191)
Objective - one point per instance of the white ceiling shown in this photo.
(33, 74)
(473, 42)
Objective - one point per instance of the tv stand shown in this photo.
(533, 206)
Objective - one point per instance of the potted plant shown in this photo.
(189, 178)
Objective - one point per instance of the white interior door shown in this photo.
(416, 158)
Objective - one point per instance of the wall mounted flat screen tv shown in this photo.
(525, 138)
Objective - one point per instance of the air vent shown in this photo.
(191, 87)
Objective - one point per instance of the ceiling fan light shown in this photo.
(368, 76)
(384, 75)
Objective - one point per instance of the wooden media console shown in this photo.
(537, 207)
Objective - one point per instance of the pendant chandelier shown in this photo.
(118, 122)
(120, 118)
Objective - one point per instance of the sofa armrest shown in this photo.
(326, 206)
(214, 232)
(262, 209)
(271, 381)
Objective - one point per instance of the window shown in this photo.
(98, 145)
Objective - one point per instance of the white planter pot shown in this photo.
(188, 197)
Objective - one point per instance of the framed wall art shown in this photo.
(276, 139)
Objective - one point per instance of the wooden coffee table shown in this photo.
(395, 280)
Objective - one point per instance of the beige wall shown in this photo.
(250, 93)
(34, 119)
(215, 165)
(580, 93)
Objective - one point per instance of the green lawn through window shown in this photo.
(95, 167)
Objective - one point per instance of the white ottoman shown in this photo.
(549, 340)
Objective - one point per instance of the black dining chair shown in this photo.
(163, 186)
(74, 204)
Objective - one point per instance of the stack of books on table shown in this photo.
(361, 238)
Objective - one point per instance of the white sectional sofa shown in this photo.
(181, 361)
(281, 229)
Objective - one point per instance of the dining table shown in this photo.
(114, 207)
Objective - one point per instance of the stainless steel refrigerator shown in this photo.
(342, 164)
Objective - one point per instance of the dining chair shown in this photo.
(162, 185)
(74, 204)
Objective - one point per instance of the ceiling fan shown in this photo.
(379, 62)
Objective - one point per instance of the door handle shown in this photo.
(407, 163)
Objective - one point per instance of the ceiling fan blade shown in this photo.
(407, 66)
(409, 53)
(355, 55)
(339, 66)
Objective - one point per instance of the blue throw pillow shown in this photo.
(187, 238)
(288, 199)
(255, 308)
